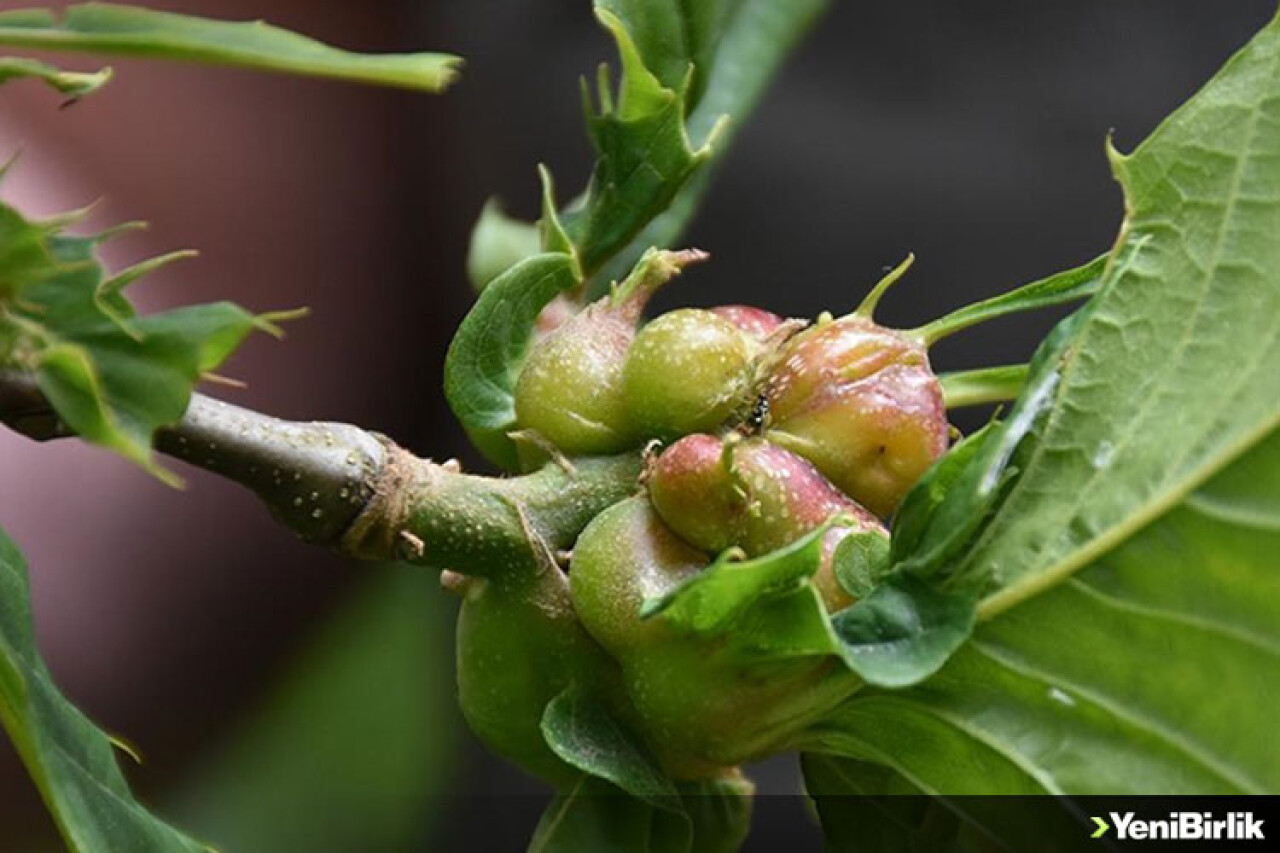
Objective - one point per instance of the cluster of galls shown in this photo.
(761, 430)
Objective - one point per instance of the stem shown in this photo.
(1068, 286)
(342, 487)
(986, 385)
(872, 299)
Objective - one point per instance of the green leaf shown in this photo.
(71, 761)
(755, 37)
(860, 560)
(690, 66)
(915, 517)
(134, 31)
(1131, 603)
(360, 718)
(644, 155)
(1139, 675)
(1171, 373)
(712, 599)
(903, 632)
(594, 815)
(714, 817)
(112, 376)
(866, 806)
(582, 731)
(953, 500)
(498, 242)
(1067, 286)
(489, 348)
(73, 84)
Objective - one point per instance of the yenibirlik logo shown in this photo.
(1183, 826)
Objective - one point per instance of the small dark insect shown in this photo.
(759, 413)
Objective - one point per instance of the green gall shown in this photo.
(688, 371)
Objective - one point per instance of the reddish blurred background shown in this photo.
(970, 133)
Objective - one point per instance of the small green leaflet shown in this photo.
(711, 600)
(70, 759)
(73, 84)
(134, 31)
(766, 608)
(113, 377)
(581, 730)
(489, 348)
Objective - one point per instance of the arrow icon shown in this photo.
(1102, 828)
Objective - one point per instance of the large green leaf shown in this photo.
(113, 376)
(70, 759)
(1141, 674)
(1131, 602)
(134, 31)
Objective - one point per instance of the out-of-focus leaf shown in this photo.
(73, 84)
(113, 376)
(712, 817)
(489, 348)
(582, 731)
(353, 750)
(134, 31)
(70, 759)
(498, 242)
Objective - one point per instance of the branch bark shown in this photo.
(343, 487)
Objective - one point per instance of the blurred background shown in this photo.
(287, 700)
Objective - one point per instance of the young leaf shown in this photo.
(755, 37)
(860, 560)
(70, 759)
(716, 58)
(709, 601)
(133, 31)
(489, 347)
(583, 732)
(73, 84)
(903, 632)
(1130, 599)
(113, 377)
(644, 155)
